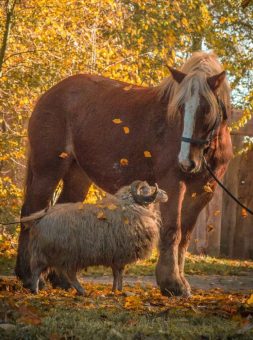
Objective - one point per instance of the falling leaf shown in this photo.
(124, 162)
(101, 215)
(64, 155)
(207, 188)
(127, 88)
(147, 154)
(126, 129)
(216, 212)
(244, 213)
(210, 228)
(112, 206)
(117, 121)
(194, 194)
(250, 300)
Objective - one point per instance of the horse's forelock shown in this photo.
(198, 68)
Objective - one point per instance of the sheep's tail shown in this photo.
(33, 217)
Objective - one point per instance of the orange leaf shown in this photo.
(112, 206)
(216, 213)
(64, 155)
(117, 121)
(127, 88)
(244, 213)
(207, 188)
(126, 129)
(101, 215)
(250, 300)
(124, 162)
(147, 154)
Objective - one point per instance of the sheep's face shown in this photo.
(142, 193)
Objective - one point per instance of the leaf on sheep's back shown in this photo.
(112, 206)
(101, 215)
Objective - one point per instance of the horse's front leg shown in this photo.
(192, 206)
(167, 269)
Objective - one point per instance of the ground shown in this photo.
(221, 306)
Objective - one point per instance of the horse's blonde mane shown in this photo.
(200, 66)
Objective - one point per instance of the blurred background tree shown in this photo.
(42, 42)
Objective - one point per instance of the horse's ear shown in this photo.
(215, 81)
(178, 76)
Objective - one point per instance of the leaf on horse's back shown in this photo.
(194, 194)
(244, 213)
(64, 155)
(147, 154)
(127, 88)
(124, 161)
(126, 129)
(207, 188)
(117, 121)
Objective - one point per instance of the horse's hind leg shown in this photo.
(39, 190)
(75, 187)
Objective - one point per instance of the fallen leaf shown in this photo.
(250, 300)
(117, 121)
(101, 215)
(29, 315)
(147, 154)
(126, 129)
(124, 162)
(64, 155)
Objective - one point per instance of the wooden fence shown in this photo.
(223, 227)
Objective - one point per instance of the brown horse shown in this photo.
(89, 129)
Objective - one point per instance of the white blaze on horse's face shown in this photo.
(191, 106)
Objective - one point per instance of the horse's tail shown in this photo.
(27, 186)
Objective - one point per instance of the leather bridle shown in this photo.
(206, 142)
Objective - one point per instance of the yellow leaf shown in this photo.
(127, 88)
(207, 188)
(101, 215)
(244, 213)
(63, 155)
(184, 21)
(117, 121)
(216, 213)
(147, 154)
(222, 20)
(250, 300)
(124, 162)
(194, 194)
(112, 206)
(126, 129)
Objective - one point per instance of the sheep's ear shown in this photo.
(178, 76)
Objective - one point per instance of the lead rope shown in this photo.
(224, 188)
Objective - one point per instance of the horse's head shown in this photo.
(202, 113)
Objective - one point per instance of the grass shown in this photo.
(138, 314)
(195, 264)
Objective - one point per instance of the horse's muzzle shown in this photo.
(189, 166)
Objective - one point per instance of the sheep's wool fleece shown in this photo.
(77, 235)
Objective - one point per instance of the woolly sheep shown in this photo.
(119, 230)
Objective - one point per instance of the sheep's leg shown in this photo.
(71, 277)
(115, 272)
(120, 278)
(35, 279)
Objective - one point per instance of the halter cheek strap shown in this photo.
(222, 114)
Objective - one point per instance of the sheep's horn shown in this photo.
(141, 199)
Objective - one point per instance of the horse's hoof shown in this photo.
(174, 288)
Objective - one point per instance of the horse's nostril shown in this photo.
(193, 165)
(188, 166)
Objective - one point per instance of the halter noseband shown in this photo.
(198, 141)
